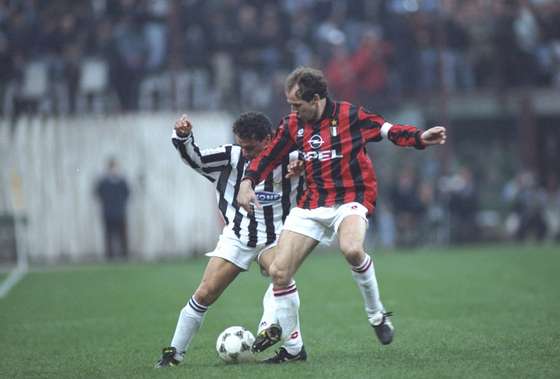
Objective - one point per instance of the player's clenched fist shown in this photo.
(434, 136)
(183, 126)
(295, 168)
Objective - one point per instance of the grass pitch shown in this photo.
(478, 312)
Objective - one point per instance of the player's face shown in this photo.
(251, 147)
(308, 111)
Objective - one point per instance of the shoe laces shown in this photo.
(384, 317)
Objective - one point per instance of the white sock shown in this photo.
(269, 310)
(364, 275)
(188, 324)
(287, 313)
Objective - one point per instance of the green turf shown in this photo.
(472, 313)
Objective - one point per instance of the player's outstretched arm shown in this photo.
(208, 162)
(246, 196)
(434, 136)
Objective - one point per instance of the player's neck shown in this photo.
(321, 109)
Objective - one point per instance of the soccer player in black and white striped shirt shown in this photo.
(246, 236)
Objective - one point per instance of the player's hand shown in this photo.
(246, 196)
(434, 136)
(183, 126)
(295, 168)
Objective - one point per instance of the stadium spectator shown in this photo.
(245, 237)
(527, 206)
(462, 201)
(112, 191)
(340, 191)
(516, 44)
(552, 212)
(407, 208)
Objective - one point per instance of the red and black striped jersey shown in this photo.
(337, 167)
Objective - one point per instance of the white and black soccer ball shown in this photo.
(234, 345)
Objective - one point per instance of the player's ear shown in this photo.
(316, 98)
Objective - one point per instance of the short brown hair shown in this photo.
(310, 82)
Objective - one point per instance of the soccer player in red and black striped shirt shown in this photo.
(341, 189)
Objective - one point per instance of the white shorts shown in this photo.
(235, 251)
(322, 223)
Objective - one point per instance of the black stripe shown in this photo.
(221, 188)
(238, 216)
(210, 158)
(316, 169)
(180, 145)
(286, 190)
(357, 148)
(197, 307)
(299, 135)
(208, 170)
(183, 151)
(253, 234)
(300, 187)
(268, 212)
(195, 147)
(336, 163)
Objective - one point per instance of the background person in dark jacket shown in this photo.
(112, 191)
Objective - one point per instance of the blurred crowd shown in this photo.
(105, 56)
(146, 54)
(418, 209)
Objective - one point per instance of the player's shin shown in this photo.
(287, 309)
(189, 322)
(364, 276)
(294, 342)
(269, 310)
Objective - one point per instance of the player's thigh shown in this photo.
(218, 275)
(292, 249)
(351, 237)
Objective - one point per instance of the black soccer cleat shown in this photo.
(266, 338)
(167, 358)
(282, 356)
(383, 327)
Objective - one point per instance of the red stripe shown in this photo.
(346, 142)
(370, 181)
(278, 294)
(372, 132)
(364, 263)
(283, 291)
(364, 267)
(326, 167)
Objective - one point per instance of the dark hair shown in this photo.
(310, 82)
(252, 125)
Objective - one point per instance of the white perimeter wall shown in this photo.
(49, 168)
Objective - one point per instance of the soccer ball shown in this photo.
(234, 345)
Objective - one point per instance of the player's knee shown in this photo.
(353, 252)
(280, 277)
(205, 295)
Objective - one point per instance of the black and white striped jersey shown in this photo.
(225, 166)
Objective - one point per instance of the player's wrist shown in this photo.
(248, 181)
(179, 135)
(418, 137)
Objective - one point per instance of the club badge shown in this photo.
(333, 127)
